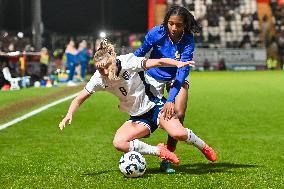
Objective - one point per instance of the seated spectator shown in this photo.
(221, 65)
(206, 65)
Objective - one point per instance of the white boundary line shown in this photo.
(36, 111)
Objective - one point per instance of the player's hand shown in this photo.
(168, 110)
(188, 63)
(68, 118)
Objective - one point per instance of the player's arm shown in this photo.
(179, 81)
(75, 104)
(181, 75)
(165, 62)
(183, 72)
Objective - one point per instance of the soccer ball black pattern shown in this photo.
(132, 164)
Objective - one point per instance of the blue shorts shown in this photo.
(151, 118)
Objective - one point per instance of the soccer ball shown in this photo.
(132, 164)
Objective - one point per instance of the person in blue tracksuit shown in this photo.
(72, 61)
(84, 57)
(173, 39)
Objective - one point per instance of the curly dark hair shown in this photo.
(191, 25)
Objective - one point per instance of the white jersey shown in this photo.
(130, 88)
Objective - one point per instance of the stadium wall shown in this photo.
(234, 59)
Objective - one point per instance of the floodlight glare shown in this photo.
(20, 34)
(102, 34)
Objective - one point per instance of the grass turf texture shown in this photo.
(17, 103)
(240, 114)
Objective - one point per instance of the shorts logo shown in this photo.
(126, 75)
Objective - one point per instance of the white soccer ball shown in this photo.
(132, 164)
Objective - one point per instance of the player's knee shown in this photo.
(118, 144)
(180, 135)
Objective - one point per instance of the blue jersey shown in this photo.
(162, 46)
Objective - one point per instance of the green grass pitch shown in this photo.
(240, 114)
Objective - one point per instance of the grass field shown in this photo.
(16, 103)
(240, 114)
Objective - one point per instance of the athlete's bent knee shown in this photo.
(179, 135)
(119, 144)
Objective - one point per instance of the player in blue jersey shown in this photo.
(173, 39)
(84, 57)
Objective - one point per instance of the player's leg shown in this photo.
(129, 131)
(175, 129)
(126, 139)
(181, 102)
(180, 109)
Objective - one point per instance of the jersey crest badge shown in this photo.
(126, 75)
(177, 55)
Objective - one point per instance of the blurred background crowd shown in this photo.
(236, 35)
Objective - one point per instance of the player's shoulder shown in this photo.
(160, 29)
(129, 62)
(95, 82)
(96, 77)
(125, 58)
(129, 59)
(157, 32)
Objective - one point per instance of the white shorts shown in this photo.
(160, 85)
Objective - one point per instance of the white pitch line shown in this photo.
(14, 121)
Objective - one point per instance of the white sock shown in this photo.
(195, 140)
(143, 148)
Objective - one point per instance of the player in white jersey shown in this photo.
(123, 76)
(129, 88)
